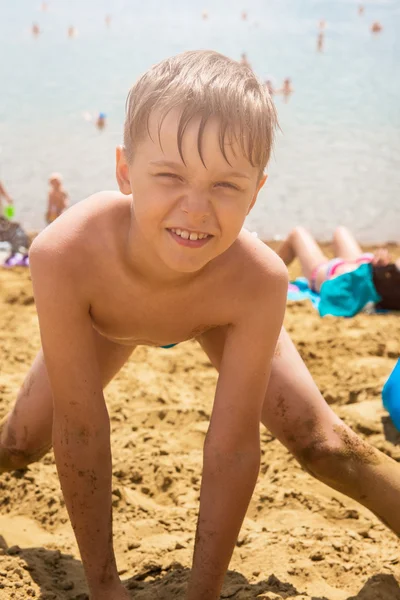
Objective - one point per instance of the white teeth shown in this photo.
(189, 236)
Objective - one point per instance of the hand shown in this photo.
(116, 593)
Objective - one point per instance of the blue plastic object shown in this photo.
(391, 395)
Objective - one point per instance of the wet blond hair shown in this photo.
(204, 84)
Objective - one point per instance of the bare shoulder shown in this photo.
(254, 288)
(253, 297)
(80, 230)
(260, 268)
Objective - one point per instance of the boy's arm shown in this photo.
(81, 430)
(232, 446)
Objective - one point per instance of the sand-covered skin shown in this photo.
(300, 540)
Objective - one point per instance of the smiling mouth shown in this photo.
(189, 239)
(193, 236)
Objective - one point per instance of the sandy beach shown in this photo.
(300, 540)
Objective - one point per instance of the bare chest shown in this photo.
(131, 316)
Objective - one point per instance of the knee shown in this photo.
(328, 461)
(12, 459)
(13, 455)
(297, 233)
(340, 231)
(337, 458)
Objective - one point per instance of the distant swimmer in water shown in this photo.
(101, 120)
(361, 9)
(286, 90)
(205, 15)
(320, 41)
(376, 27)
(35, 29)
(72, 32)
(270, 87)
(57, 198)
(45, 6)
(244, 16)
(244, 61)
(108, 20)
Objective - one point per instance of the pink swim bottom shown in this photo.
(331, 266)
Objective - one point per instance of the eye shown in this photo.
(169, 175)
(229, 186)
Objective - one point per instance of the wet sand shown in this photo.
(300, 540)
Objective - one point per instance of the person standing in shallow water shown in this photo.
(376, 27)
(270, 87)
(286, 90)
(101, 121)
(320, 41)
(4, 195)
(165, 254)
(57, 199)
(244, 60)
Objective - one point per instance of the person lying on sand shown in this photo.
(348, 282)
(164, 261)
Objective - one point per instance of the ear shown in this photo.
(259, 186)
(122, 171)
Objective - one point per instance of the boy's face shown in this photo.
(188, 213)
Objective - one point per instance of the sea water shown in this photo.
(337, 157)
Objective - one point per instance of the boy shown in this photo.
(168, 260)
(57, 199)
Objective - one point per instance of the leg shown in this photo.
(302, 245)
(345, 245)
(26, 432)
(296, 413)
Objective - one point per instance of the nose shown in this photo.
(196, 205)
